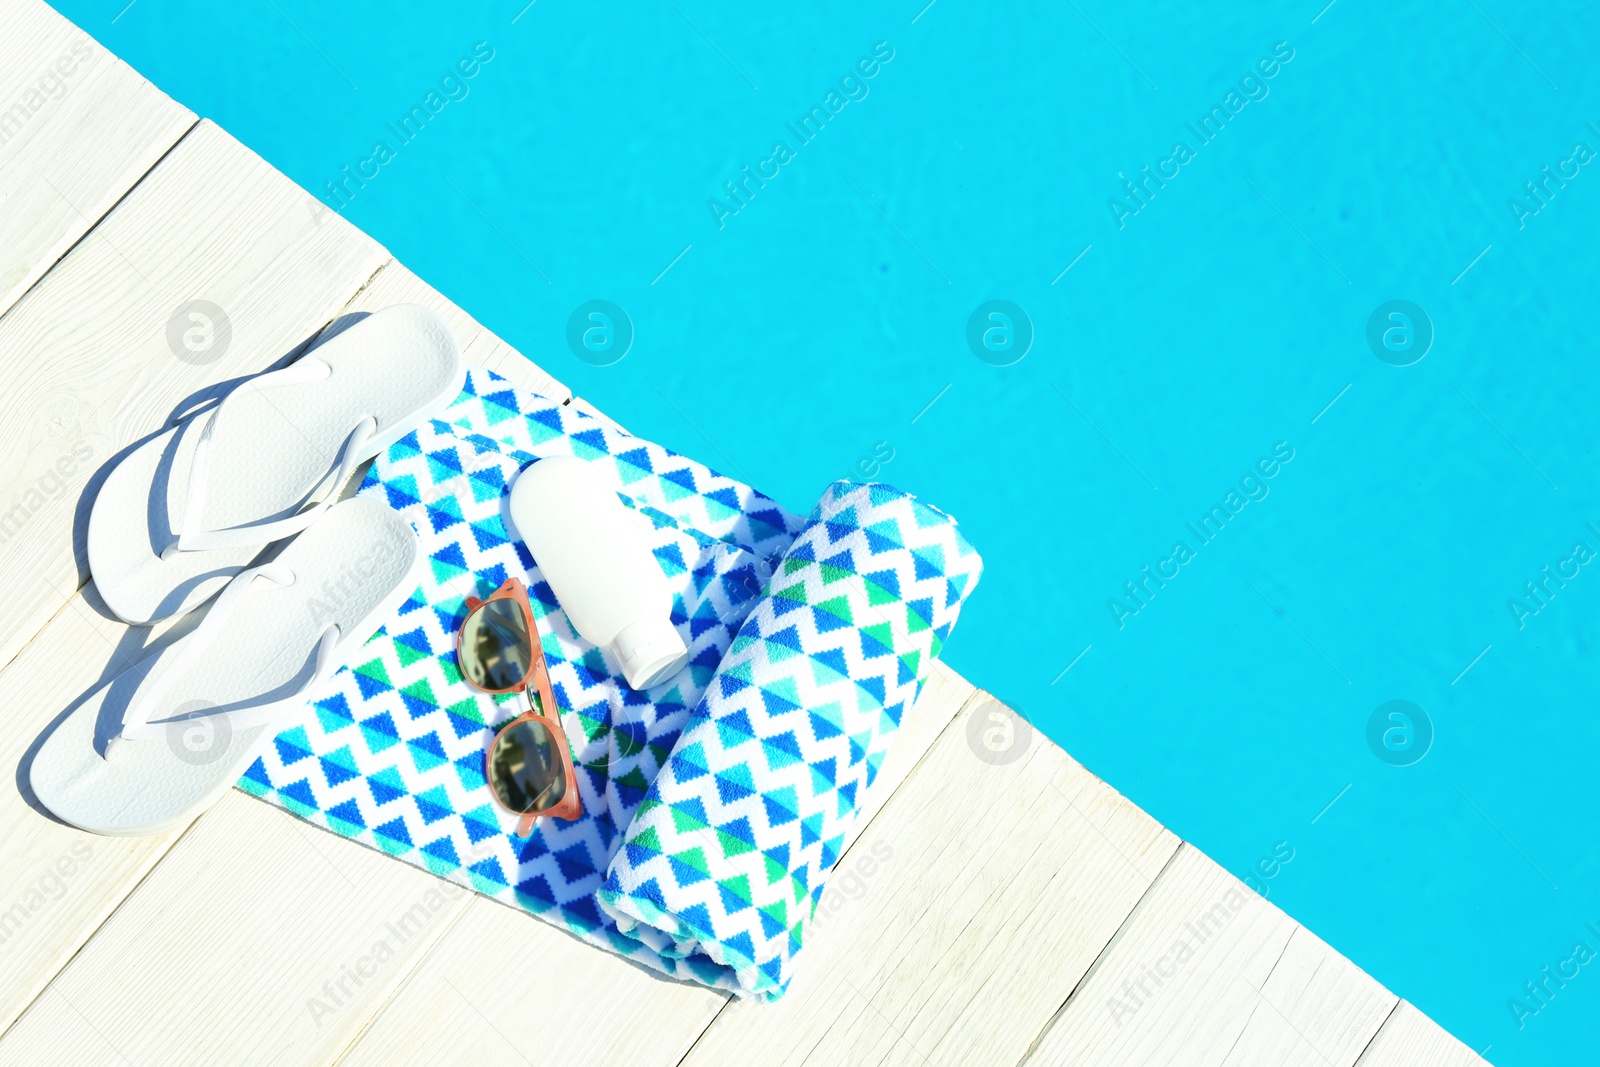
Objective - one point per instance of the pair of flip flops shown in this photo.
(204, 508)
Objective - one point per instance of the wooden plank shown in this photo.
(466, 1004)
(394, 284)
(1317, 1008)
(90, 356)
(1410, 1037)
(457, 1005)
(1207, 972)
(57, 884)
(257, 939)
(943, 696)
(78, 127)
(969, 909)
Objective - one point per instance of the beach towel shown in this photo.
(390, 753)
(731, 849)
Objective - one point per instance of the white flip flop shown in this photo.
(186, 511)
(163, 740)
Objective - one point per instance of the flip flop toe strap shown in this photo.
(150, 699)
(192, 537)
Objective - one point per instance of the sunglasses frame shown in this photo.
(570, 806)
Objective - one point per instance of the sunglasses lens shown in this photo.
(525, 769)
(496, 650)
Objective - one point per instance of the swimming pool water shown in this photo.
(1253, 348)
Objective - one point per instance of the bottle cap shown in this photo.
(650, 651)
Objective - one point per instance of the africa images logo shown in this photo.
(453, 88)
(55, 83)
(1138, 592)
(1252, 87)
(853, 87)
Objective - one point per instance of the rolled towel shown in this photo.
(731, 849)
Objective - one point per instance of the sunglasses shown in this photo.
(528, 764)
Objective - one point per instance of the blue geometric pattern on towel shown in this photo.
(391, 752)
(732, 848)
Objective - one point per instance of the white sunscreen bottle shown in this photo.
(591, 549)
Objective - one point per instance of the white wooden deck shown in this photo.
(1038, 929)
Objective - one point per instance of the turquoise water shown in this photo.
(1389, 475)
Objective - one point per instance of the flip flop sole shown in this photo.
(354, 567)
